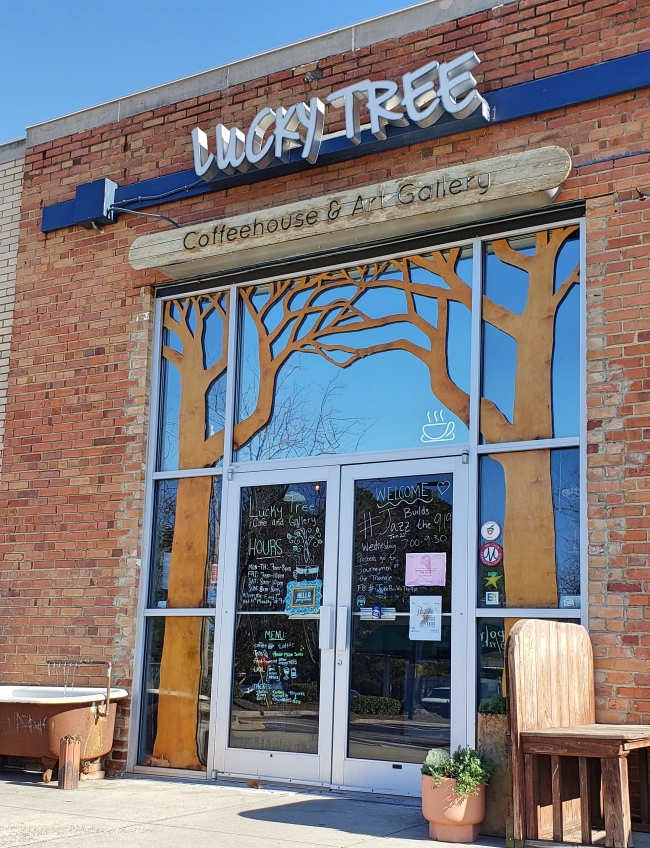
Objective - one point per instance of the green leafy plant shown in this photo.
(496, 705)
(467, 766)
(374, 705)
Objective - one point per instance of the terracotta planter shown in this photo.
(451, 818)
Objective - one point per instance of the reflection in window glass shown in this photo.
(276, 684)
(491, 655)
(184, 557)
(175, 715)
(374, 357)
(193, 381)
(531, 337)
(400, 691)
(533, 497)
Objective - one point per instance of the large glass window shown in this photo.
(531, 339)
(175, 714)
(529, 508)
(184, 566)
(374, 357)
(193, 381)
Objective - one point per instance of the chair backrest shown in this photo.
(550, 673)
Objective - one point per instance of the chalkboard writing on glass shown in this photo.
(281, 539)
(394, 517)
(276, 661)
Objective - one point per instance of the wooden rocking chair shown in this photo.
(551, 721)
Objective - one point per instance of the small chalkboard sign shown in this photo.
(281, 542)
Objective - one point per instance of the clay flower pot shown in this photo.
(451, 818)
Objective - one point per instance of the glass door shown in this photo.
(275, 706)
(401, 621)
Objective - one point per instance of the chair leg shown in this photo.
(585, 801)
(556, 789)
(531, 789)
(616, 801)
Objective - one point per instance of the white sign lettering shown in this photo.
(423, 97)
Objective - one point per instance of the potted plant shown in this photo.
(453, 793)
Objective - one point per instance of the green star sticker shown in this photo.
(492, 580)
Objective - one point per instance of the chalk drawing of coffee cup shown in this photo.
(438, 430)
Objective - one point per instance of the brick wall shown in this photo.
(11, 182)
(71, 493)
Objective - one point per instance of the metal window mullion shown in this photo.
(531, 444)
(232, 371)
(527, 612)
(180, 473)
(152, 452)
(177, 612)
(472, 484)
(584, 535)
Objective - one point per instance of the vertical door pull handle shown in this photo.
(326, 629)
(342, 629)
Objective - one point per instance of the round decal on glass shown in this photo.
(490, 530)
(490, 553)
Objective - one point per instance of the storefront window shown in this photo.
(369, 358)
(531, 337)
(176, 707)
(375, 357)
(193, 381)
(529, 508)
(185, 547)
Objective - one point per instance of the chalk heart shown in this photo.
(442, 486)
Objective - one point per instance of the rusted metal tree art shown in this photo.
(322, 315)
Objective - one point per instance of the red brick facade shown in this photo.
(72, 486)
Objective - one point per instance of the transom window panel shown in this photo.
(374, 357)
(531, 337)
(193, 381)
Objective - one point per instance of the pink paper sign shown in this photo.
(426, 569)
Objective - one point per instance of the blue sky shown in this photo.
(59, 57)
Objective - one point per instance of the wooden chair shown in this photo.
(551, 720)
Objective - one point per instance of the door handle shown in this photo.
(342, 629)
(326, 629)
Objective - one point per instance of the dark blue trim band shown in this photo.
(92, 202)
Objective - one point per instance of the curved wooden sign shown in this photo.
(462, 193)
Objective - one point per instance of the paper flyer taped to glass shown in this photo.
(425, 618)
(426, 569)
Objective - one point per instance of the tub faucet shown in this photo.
(78, 662)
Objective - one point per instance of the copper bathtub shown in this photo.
(33, 719)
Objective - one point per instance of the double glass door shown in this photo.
(342, 650)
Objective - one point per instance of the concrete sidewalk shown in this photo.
(141, 811)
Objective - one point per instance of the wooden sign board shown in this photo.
(462, 193)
